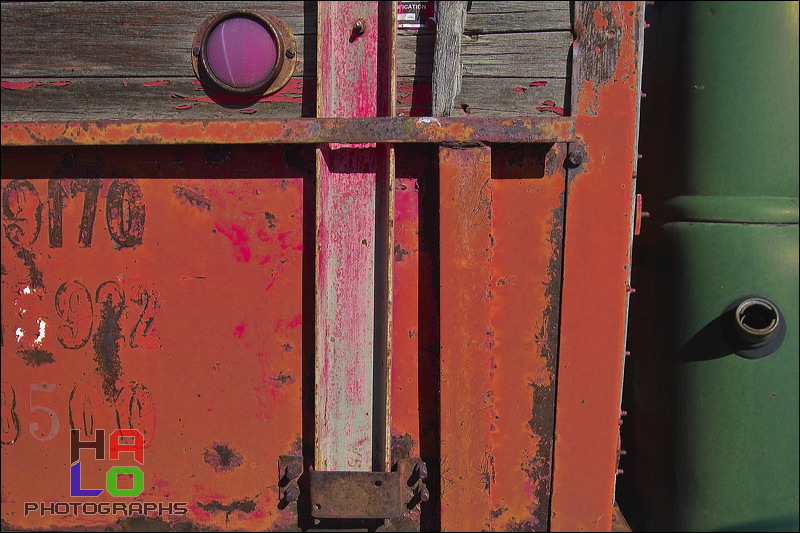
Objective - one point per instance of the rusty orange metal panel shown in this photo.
(250, 236)
(465, 240)
(168, 306)
(501, 212)
(600, 192)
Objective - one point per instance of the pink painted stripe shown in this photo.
(347, 74)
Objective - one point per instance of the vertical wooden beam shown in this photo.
(465, 244)
(446, 77)
(598, 234)
(355, 78)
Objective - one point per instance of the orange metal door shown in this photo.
(170, 278)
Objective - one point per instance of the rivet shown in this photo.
(424, 493)
(422, 470)
(290, 54)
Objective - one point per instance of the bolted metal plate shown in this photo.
(355, 494)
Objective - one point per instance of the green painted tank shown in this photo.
(712, 383)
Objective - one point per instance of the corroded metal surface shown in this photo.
(322, 130)
(360, 495)
(597, 260)
(501, 221)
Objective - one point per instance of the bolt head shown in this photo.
(293, 470)
(360, 26)
(576, 158)
(422, 470)
(290, 54)
(424, 493)
(292, 493)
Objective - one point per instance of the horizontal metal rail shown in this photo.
(293, 131)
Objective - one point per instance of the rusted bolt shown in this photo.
(639, 156)
(635, 175)
(645, 214)
(196, 51)
(360, 27)
(290, 54)
(623, 413)
(422, 470)
(619, 471)
(644, 94)
(293, 470)
(291, 493)
(620, 422)
(630, 289)
(623, 452)
(575, 158)
(627, 354)
(424, 493)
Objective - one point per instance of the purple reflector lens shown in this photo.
(241, 52)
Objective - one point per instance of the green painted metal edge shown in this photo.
(741, 209)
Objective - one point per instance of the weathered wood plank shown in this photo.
(516, 54)
(104, 99)
(115, 38)
(507, 17)
(446, 77)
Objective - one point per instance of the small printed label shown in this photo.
(413, 15)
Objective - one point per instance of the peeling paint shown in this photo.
(245, 505)
(60, 83)
(36, 356)
(195, 198)
(20, 85)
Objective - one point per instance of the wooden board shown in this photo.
(101, 61)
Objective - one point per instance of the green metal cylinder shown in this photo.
(736, 422)
(713, 434)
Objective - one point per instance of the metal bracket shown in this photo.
(290, 468)
(355, 494)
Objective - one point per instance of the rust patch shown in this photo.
(106, 344)
(525, 525)
(35, 275)
(270, 219)
(399, 253)
(195, 198)
(402, 446)
(222, 458)
(245, 505)
(36, 356)
(282, 379)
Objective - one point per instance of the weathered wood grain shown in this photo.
(507, 17)
(446, 77)
(99, 47)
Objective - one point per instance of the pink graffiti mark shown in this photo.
(538, 83)
(239, 240)
(60, 83)
(20, 85)
(154, 83)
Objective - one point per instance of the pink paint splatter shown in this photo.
(20, 85)
(238, 331)
(154, 83)
(182, 106)
(60, 83)
(239, 240)
(553, 109)
(548, 103)
(538, 83)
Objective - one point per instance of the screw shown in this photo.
(196, 51)
(424, 493)
(293, 470)
(422, 470)
(290, 54)
(360, 26)
(575, 158)
(291, 493)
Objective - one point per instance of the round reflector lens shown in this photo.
(241, 52)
